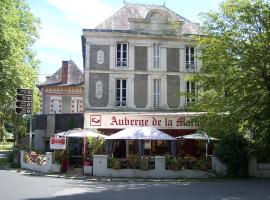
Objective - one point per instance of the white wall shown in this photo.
(100, 169)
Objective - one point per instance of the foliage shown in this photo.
(114, 162)
(97, 145)
(262, 148)
(202, 164)
(233, 150)
(60, 155)
(18, 67)
(235, 74)
(172, 162)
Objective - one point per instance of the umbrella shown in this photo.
(80, 133)
(200, 135)
(197, 136)
(140, 133)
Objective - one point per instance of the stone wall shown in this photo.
(100, 169)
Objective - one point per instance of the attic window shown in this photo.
(157, 16)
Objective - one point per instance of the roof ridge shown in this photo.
(144, 4)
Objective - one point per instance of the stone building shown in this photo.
(63, 91)
(135, 66)
(61, 104)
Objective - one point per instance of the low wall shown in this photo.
(47, 167)
(100, 169)
(258, 170)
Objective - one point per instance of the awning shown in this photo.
(197, 136)
(80, 133)
(140, 133)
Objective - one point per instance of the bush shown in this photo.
(233, 150)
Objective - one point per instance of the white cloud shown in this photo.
(89, 13)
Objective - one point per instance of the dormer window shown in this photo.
(122, 55)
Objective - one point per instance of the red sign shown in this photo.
(95, 120)
(57, 143)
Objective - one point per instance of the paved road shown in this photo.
(19, 186)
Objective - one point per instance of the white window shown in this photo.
(121, 93)
(191, 92)
(156, 90)
(156, 57)
(122, 55)
(56, 105)
(77, 105)
(190, 58)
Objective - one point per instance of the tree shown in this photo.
(18, 66)
(235, 77)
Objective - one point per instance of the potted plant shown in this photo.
(145, 163)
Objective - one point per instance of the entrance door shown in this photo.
(75, 147)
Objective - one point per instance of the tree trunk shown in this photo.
(2, 132)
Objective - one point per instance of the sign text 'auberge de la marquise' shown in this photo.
(124, 120)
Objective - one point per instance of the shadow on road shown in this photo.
(234, 190)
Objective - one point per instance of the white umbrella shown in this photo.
(200, 135)
(80, 133)
(140, 133)
(197, 136)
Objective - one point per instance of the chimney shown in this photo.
(64, 71)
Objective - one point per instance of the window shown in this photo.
(156, 55)
(191, 92)
(190, 59)
(121, 92)
(156, 90)
(76, 105)
(121, 55)
(56, 105)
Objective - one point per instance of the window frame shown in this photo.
(191, 88)
(119, 102)
(156, 55)
(156, 93)
(120, 60)
(53, 109)
(190, 58)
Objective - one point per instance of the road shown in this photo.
(20, 186)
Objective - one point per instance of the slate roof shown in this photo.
(56, 79)
(120, 20)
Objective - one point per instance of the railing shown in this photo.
(33, 157)
(38, 162)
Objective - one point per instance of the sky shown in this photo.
(62, 22)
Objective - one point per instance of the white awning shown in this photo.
(197, 136)
(140, 133)
(80, 133)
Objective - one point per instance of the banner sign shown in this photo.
(124, 120)
(57, 143)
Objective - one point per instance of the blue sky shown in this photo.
(62, 22)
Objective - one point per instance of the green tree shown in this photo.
(18, 66)
(235, 76)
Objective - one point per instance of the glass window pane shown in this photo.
(124, 47)
(118, 47)
(124, 83)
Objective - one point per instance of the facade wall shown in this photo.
(172, 73)
(173, 91)
(100, 57)
(99, 95)
(140, 90)
(140, 58)
(66, 96)
(173, 60)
